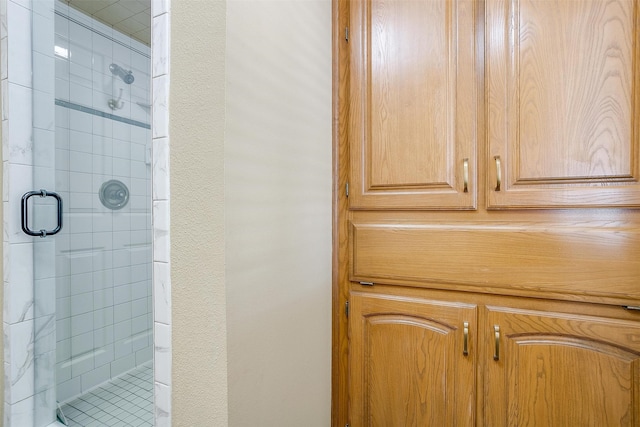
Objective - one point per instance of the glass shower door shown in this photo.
(43, 212)
(92, 280)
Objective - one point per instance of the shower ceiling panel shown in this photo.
(132, 17)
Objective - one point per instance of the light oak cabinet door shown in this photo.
(563, 103)
(411, 361)
(553, 369)
(413, 104)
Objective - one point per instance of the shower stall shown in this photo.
(78, 304)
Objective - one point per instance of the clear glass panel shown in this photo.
(92, 146)
(44, 211)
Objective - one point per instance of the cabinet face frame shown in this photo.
(413, 113)
(589, 156)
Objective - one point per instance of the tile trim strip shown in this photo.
(77, 107)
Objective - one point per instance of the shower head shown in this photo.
(126, 76)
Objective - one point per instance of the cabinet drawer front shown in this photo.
(555, 260)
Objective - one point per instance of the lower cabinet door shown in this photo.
(554, 369)
(411, 361)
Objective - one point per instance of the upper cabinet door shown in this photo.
(563, 103)
(413, 104)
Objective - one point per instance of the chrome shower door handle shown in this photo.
(25, 213)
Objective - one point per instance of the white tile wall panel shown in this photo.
(19, 40)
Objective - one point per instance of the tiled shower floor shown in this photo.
(126, 401)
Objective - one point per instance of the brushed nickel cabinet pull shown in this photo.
(465, 168)
(498, 173)
(465, 341)
(496, 351)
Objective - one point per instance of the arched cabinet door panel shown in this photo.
(554, 369)
(411, 361)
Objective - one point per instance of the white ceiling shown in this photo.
(132, 17)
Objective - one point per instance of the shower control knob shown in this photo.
(114, 194)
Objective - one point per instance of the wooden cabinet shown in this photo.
(413, 104)
(412, 361)
(555, 369)
(563, 103)
(486, 151)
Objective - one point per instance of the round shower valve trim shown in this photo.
(114, 194)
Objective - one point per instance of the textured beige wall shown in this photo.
(251, 212)
(197, 120)
(278, 212)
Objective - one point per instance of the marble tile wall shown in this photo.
(27, 400)
(160, 32)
